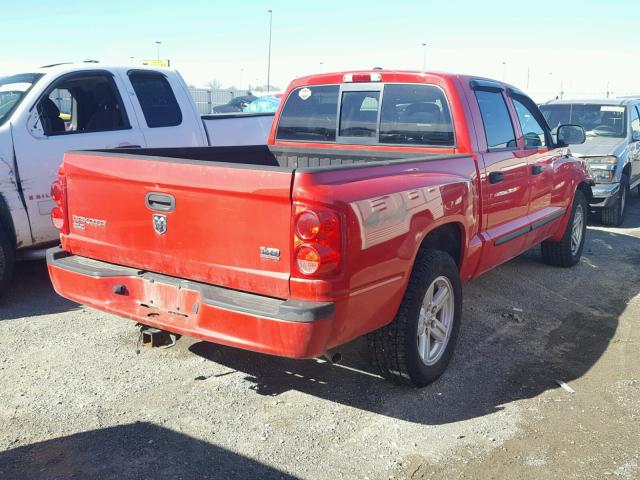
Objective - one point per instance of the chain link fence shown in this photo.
(206, 98)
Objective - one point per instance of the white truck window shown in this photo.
(82, 104)
(159, 104)
(12, 91)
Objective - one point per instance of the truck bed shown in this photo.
(285, 158)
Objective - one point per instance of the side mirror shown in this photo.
(635, 136)
(571, 135)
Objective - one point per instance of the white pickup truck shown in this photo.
(48, 111)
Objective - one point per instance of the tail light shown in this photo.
(316, 240)
(59, 196)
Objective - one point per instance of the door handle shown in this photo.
(537, 169)
(495, 177)
(160, 202)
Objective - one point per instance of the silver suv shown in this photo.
(612, 149)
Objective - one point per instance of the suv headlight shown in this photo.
(603, 168)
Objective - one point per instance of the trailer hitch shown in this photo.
(151, 337)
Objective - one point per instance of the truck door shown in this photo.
(504, 179)
(79, 111)
(544, 169)
(168, 116)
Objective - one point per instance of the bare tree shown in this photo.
(215, 84)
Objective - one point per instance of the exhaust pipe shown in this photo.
(332, 356)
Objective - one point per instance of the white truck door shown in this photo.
(78, 111)
(168, 115)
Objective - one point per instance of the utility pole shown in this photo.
(158, 48)
(424, 57)
(269, 54)
(504, 70)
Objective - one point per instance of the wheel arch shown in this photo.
(447, 237)
(585, 188)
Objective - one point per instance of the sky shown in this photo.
(581, 48)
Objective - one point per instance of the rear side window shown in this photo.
(415, 115)
(497, 122)
(159, 104)
(310, 114)
(359, 114)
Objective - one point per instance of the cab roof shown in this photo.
(64, 68)
(389, 76)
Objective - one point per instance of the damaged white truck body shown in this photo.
(51, 110)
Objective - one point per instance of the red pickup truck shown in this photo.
(378, 194)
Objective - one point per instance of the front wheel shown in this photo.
(567, 252)
(614, 215)
(416, 347)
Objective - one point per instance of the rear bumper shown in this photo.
(288, 328)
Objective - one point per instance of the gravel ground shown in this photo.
(76, 401)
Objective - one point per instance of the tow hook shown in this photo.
(151, 337)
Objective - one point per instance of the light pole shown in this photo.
(158, 43)
(424, 57)
(552, 87)
(269, 54)
(504, 70)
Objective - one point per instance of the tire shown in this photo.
(7, 259)
(567, 252)
(614, 216)
(395, 350)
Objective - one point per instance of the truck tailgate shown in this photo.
(223, 224)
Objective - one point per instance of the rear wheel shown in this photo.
(568, 250)
(7, 257)
(615, 215)
(416, 347)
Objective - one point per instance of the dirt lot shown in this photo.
(76, 401)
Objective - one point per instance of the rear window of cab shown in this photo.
(390, 114)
